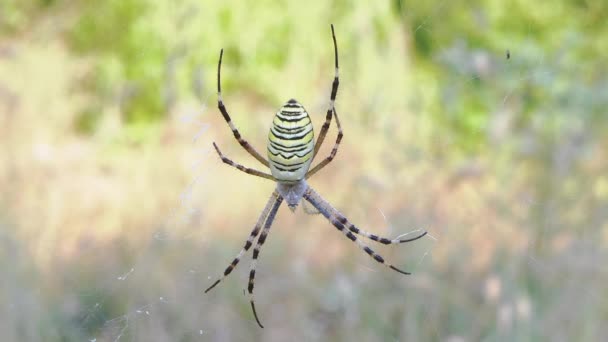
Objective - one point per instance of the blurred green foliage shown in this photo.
(17, 15)
(553, 46)
(149, 54)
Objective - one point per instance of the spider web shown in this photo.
(144, 310)
(518, 66)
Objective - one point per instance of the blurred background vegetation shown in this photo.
(482, 121)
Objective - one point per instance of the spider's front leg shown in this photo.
(237, 135)
(333, 152)
(332, 97)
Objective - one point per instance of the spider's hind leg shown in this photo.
(374, 237)
(256, 253)
(309, 209)
(254, 233)
(342, 224)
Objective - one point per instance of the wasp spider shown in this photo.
(291, 150)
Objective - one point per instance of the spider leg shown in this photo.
(252, 236)
(333, 152)
(333, 216)
(332, 98)
(309, 209)
(235, 131)
(375, 237)
(256, 253)
(241, 167)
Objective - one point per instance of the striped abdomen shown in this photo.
(290, 143)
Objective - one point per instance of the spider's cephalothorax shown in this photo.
(291, 151)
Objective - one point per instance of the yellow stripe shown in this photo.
(301, 122)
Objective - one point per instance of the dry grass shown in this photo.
(99, 239)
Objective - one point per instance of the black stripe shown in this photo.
(293, 120)
(283, 152)
(295, 155)
(292, 151)
(368, 250)
(378, 258)
(287, 170)
(290, 165)
(351, 236)
(294, 148)
(248, 244)
(280, 142)
(287, 112)
(222, 109)
(256, 252)
(334, 87)
(289, 130)
(292, 112)
(293, 137)
(251, 276)
(338, 225)
(285, 116)
(262, 238)
(228, 270)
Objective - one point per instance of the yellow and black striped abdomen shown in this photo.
(290, 143)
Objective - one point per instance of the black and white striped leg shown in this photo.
(254, 233)
(333, 216)
(333, 152)
(332, 98)
(241, 167)
(256, 253)
(375, 237)
(235, 131)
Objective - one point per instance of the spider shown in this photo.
(291, 150)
